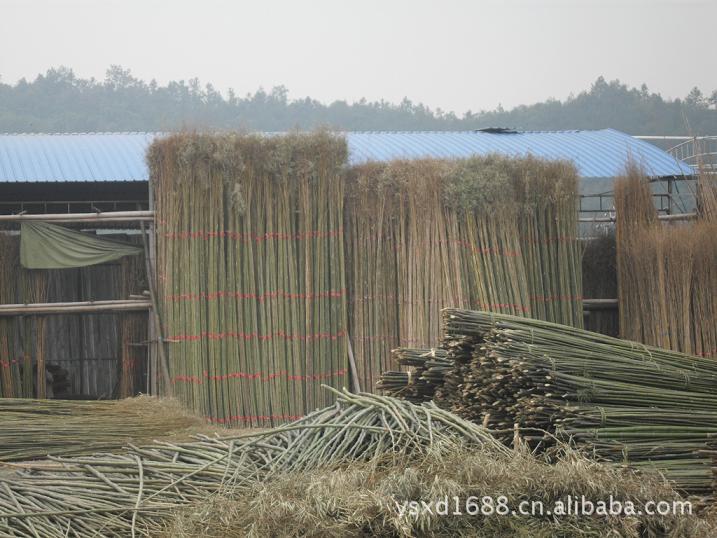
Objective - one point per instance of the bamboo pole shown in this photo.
(100, 216)
(79, 307)
(666, 218)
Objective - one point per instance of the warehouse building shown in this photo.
(107, 171)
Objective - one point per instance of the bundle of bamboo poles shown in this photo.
(22, 341)
(33, 429)
(133, 493)
(251, 268)
(10, 363)
(490, 233)
(133, 329)
(625, 402)
(666, 271)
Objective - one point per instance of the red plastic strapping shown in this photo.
(259, 376)
(261, 297)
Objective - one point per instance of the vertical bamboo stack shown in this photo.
(10, 364)
(251, 268)
(22, 340)
(133, 328)
(547, 195)
(667, 276)
(487, 233)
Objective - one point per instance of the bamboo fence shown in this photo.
(667, 272)
(23, 340)
(251, 270)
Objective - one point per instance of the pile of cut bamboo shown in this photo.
(667, 272)
(489, 233)
(251, 268)
(624, 401)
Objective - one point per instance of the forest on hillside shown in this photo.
(60, 101)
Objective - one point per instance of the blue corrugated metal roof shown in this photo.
(121, 156)
(74, 157)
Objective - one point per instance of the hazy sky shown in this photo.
(453, 54)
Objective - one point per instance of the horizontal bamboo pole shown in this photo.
(101, 216)
(73, 308)
(599, 304)
(613, 218)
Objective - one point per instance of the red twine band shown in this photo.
(250, 336)
(6, 363)
(261, 297)
(257, 376)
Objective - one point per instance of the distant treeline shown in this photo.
(59, 101)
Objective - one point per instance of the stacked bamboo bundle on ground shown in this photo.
(136, 492)
(34, 429)
(624, 401)
(667, 272)
(489, 233)
(251, 267)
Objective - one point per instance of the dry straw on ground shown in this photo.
(361, 500)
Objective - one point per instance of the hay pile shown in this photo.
(487, 233)
(32, 429)
(251, 267)
(361, 500)
(667, 271)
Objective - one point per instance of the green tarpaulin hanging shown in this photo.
(48, 246)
